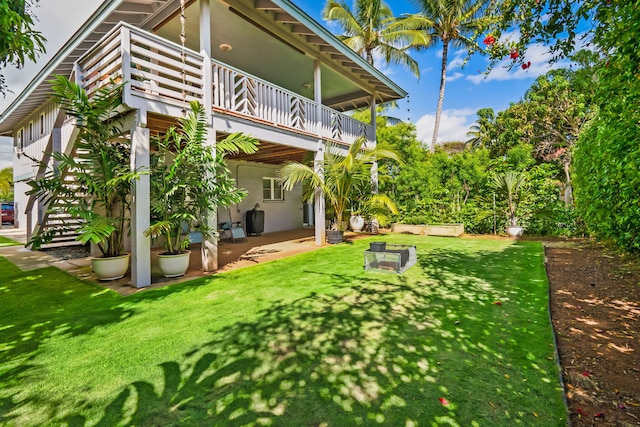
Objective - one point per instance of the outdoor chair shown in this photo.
(233, 230)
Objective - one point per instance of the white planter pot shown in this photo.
(356, 222)
(174, 265)
(514, 231)
(110, 268)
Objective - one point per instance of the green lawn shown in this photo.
(4, 241)
(312, 340)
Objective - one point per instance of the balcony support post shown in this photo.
(209, 247)
(205, 28)
(374, 166)
(140, 205)
(319, 223)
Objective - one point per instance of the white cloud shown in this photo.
(454, 125)
(537, 55)
(458, 61)
(453, 77)
(6, 152)
(426, 70)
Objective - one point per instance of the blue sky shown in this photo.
(467, 89)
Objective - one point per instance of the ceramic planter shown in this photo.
(111, 268)
(174, 265)
(334, 236)
(514, 231)
(356, 222)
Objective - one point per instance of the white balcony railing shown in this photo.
(152, 69)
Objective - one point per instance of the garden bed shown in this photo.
(443, 230)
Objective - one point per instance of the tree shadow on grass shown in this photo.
(384, 352)
(39, 304)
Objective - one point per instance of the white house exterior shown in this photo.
(262, 67)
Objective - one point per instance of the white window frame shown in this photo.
(273, 184)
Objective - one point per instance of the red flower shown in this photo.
(514, 54)
(444, 401)
(497, 302)
(586, 374)
(527, 65)
(489, 40)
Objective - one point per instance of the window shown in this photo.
(271, 189)
(42, 124)
(31, 132)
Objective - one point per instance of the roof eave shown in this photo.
(89, 25)
(306, 20)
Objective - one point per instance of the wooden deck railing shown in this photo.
(152, 68)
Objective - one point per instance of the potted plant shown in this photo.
(189, 181)
(511, 186)
(93, 182)
(340, 175)
(372, 208)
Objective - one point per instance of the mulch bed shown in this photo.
(595, 309)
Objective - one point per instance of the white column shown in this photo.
(140, 205)
(209, 248)
(205, 27)
(374, 166)
(319, 222)
(209, 251)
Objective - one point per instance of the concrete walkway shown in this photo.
(232, 255)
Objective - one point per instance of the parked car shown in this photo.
(7, 212)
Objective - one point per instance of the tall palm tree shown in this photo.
(370, 28)
(455, 23)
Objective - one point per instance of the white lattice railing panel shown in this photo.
(245, 99)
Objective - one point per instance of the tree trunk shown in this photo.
(568, 192)
(369, 56)
(443, 80)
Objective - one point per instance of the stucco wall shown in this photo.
(279, 215)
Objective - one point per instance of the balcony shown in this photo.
(158, 79)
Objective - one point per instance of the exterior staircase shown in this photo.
(53, 216)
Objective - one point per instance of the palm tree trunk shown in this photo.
(443, 80)
(369, 56)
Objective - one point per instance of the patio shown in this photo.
(232, 255)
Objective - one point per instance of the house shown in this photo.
(263, 67)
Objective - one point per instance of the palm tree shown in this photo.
(480, 134)
(511, 187)
(370, 27)
(455, 23)
(342, 177)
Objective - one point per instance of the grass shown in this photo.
(307, 341)
(8, 242)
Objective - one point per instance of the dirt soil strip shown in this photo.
(595, 308)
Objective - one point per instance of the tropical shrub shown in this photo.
(189, 179)
(100, 195)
